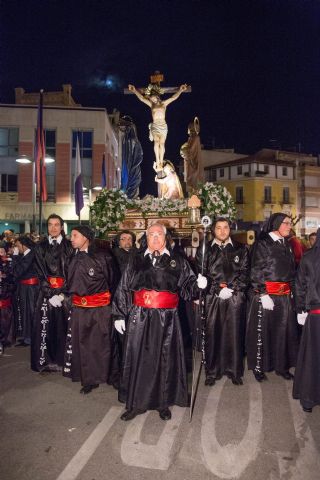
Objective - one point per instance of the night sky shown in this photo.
(254, 66)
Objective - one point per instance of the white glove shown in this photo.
(301, 317)
(120, 326)
(202, 282)
(15, 251)
(267, 302)
(56, 300)
(225, 293)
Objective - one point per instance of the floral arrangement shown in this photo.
(216, 201)
(160, 206)
(109, 209)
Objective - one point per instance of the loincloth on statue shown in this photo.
(158, 129)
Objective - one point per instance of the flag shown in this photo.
(78, 187)
(40, 153)
(103, 172)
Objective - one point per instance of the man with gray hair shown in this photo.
(145, 308)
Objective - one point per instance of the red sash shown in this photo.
(317, 312)
(56, 282)
(278, 288)
(30, 281)
(92, 301)
(5, 303)
(154, 299)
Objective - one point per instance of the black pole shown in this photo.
(40, 197)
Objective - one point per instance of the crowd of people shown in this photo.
(119, 313)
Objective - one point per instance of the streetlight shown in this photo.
(23, 159)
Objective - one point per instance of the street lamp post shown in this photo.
(23, 159)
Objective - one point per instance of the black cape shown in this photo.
(153, 369)
(272, 261)
(225, 319)
(88, 346)
(306, 385)
(50, 327)
(23, 268)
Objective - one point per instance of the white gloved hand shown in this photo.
(15, 251)
(202, 282)
(120, 326)
(225, 293)
(301, 317)
(267, 302)
(56, 301)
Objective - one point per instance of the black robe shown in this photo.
(88, 347)
(306, 385)
(274, 262)
(23, 268)
(50, 327)
(153, 369)
(225, 319)
(6, 293)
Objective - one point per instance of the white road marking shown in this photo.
(83, 455)
(158, 457)
(231, 460)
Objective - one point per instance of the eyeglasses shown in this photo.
(287, 223)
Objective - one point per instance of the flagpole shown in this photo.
(41, 167)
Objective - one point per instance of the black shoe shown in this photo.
(88, 388)
(22, 344)
(307, 409)
(51, 367)
(165, 414)
(210, 381)
(285, 375)
(237, 381)
(131, 414)
(260, 377)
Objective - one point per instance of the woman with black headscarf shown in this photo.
(306, 385)
(272, 330)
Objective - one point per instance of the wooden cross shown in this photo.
(156, 78)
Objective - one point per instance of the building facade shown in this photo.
(63, 122)
(267, 182)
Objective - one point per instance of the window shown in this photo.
(221, 172)
(267, 194)
(239, 194)
(9, 142)
(239, 170)
(266, 169)
(284, 171)
(9, 183)
(286, 195)
(85, 144)
(210, 174)
(50, 140)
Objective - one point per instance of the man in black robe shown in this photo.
(124, 248)
(6, 291)
(153, 375)
(51, 314)
(27, 291)
(226, 266)
(272, 330)
(306, 386)
(90, 281)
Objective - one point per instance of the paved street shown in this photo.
(51, 432)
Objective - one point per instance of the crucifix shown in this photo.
(158, 128)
